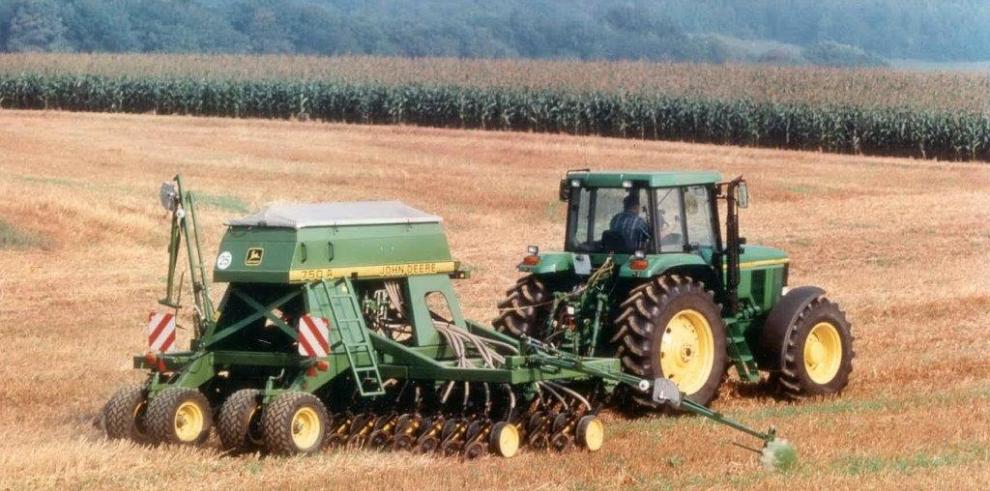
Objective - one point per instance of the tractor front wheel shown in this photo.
(817, 354)
(180, 415)
(239, 422)
(123, 416)
(294, 423)
(672, 328)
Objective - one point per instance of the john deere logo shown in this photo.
(254, 256)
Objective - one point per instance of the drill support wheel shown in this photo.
(294, 423)
(123, 416)
(180, 415)
(239, 421)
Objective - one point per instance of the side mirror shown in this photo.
(564, 193)
(742, 195)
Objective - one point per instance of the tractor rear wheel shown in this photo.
(123, 416)
(180, 415)
(671, 327)
(817, 355)
(525, 308)
(294, 423)
(239, 421)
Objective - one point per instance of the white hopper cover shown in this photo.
(302, 215)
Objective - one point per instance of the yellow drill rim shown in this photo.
(306, 428)
(189, 421)
(138, 415)
(508, 440)
(687, 351)
(823, 353)
(594, 434)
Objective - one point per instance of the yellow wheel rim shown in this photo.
(189, 421)
(306, 428)
(687, 351)
(508, 440)
(594, 434)
(139, 417)
(822, 353)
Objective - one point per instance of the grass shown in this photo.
(221, 202)
(14, 238)
(914, 416)
(864, 465)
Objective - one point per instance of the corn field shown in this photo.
(652, 101)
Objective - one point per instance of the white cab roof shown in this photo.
(303, 215)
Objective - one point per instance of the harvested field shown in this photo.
(901, 244)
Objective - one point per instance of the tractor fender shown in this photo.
(550, 263)
(661, 264)
(780, 322)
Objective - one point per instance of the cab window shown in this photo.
(669, 222)
(698, 217)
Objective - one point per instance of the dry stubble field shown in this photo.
(901, 244)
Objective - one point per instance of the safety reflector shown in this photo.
(313, 334)
(161, 332)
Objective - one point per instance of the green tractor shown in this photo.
(647, 276)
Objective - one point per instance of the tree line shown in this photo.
(843, 32)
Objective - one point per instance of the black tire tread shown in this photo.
(234, 420)
(789, 381)
(276, 422)
(161, 412)
(523, 310)
(118, 415)
(635, 331)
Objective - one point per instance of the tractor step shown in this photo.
(739, 351)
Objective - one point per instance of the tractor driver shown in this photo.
(629, 225)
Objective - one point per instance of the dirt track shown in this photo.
(902, 245)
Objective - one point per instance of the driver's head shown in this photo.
(631, 202)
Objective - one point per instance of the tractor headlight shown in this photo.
(533, 250)
(639, 255)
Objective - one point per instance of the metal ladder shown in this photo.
(347, 319)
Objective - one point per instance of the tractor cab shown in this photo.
(650, 213)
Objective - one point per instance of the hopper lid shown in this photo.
(303, 215)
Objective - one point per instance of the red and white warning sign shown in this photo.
(313, 334)
(161, 332)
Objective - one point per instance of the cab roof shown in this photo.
(653, 179)
(304, 215)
